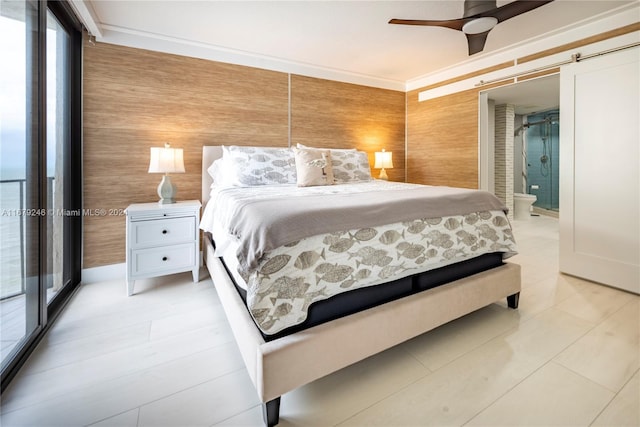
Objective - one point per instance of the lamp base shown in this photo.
(167, 191)
(383, 175)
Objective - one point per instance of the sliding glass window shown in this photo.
(40, 185)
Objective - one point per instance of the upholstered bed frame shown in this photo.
(281, 365)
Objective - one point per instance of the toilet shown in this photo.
(522, 205)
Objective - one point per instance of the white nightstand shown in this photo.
(162, 239)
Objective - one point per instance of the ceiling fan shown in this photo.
(479, 17)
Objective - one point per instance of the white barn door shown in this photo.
(600, 164)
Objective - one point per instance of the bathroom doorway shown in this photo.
(540, 155)
(533, 138)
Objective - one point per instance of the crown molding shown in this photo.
(160, 43)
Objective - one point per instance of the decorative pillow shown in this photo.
(330, 149)
(250, 166)
(350, 166)
(313, 167)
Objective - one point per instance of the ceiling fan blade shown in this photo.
(476, 42)
(515, 8)
(474, 8)
(454, 24)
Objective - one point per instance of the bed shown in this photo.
(286, 302)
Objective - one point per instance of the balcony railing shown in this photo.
(13, 212)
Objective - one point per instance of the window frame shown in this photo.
(41, 312)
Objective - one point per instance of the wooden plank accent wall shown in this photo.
(442, 139)
(136, 99)
(330, 114)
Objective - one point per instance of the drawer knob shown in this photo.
(164, 258)
(164, 231)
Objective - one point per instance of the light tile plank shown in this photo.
(610, 353)
(458, 391)
(454, 339)
(594, 302)
(553, 395)
(94, 371)
(127, 419)
(98, 401)
(624, 409)
(337, 397)
(202, 405)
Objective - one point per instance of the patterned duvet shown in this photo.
(290, 278)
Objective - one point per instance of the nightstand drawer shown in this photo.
(162, 232)
(158, 260)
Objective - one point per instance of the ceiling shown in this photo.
(349, 37)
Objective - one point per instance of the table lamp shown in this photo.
(383, 161)
(166, 160)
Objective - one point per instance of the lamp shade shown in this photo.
(166, 160)
(384, 160)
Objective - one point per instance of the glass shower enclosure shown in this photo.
(542, 151)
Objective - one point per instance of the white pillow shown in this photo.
(251, 166)
(220, 174)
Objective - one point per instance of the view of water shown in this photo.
(11, 173)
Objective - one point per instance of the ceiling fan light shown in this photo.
(479, 25)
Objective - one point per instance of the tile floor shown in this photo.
(166, 357)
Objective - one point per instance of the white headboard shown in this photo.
(209, 154)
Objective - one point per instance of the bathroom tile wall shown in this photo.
(503, 154)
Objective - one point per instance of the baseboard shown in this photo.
(104, 273)
(546, 212)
